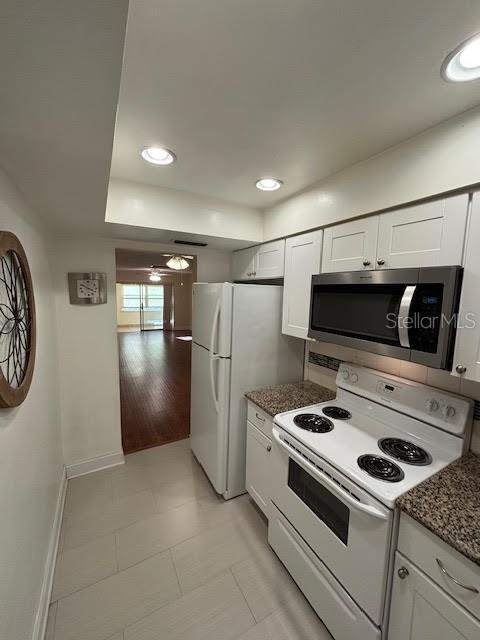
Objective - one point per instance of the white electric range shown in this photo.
(337, 471)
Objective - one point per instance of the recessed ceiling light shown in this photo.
(268, 184)
(158, 155)
(463, 63)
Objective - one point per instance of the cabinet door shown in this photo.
(350, 246)
(467, 345)
(421, 610)
(302, 260)
(243, 264)
(269, 260)
(426, 235)
(258, 467)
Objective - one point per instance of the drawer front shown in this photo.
(340, 614)
(437, 559)
(260, 419)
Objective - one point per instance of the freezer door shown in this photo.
(212, 317)
(209, 414)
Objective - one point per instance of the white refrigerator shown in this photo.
(237, 346)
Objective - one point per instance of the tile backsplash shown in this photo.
(323, 359)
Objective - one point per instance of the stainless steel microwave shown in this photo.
(409, 314)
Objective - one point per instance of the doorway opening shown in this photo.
(154, 319)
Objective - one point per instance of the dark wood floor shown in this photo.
(154, 388)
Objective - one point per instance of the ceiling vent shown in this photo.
(190, 243)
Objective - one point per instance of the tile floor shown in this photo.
(149, 552)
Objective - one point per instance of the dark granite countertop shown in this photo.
(448, 504)
(286, 397)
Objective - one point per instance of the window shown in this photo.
(152, 297)
(130, 297)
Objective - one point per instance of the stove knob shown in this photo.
(346, 374)
(432, 405)
(448, 411)
(354, 377)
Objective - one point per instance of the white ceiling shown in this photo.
(237, 88)
(60, 66)
(295, 89)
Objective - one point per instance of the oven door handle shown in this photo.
(326, 482)
(404, 315)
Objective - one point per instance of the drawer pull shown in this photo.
(269, 447)
(259, 417)
(459, 584)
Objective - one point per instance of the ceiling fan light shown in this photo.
(178, 263)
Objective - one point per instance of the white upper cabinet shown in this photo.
(270, 260)
(260, 263)
(302, 260)
(466, 360)
(244, 264)
(350, 246)
(426, 235)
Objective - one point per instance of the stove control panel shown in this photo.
(449, 412)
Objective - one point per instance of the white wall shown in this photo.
(31, 466)
(142, 205)
(443, 158)
(88, 350)
(88, 358)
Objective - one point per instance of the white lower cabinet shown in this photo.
(436, 590)
(421, 610)
(258, 467)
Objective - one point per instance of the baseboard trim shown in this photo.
(95, 464)
(41, 617)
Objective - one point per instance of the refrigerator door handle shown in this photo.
(212, 382)
(216, 317)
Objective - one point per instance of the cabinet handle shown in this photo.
(403, 573)
(366, 263)
(259, 417)
(450, 577)
(460, 368)
(380, 262)
(269, 447)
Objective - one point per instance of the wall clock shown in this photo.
(17, 322)
(87, 288)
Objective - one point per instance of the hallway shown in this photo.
(148, 551)
(154, 388)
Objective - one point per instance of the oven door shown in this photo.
(347, 528)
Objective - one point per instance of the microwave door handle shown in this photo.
(330, 484)
(404, 314)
